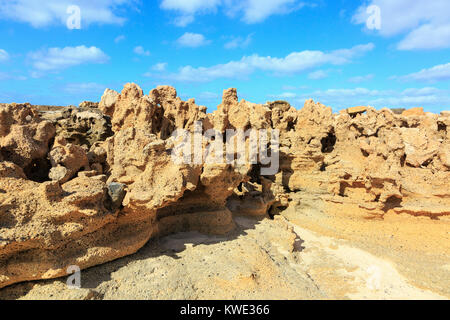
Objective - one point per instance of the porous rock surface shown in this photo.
(90, 185)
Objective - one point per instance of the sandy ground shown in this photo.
(418, 248)
(262, 259)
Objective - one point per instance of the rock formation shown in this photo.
(88, 185)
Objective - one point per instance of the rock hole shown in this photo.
(275, 210)
(328, 143)
(255, 174)
(404, 124)
(290, 126)
(403, 160)
(427, 163)
(392, 202)
(6, 154)
(38, 170)
(342, 187)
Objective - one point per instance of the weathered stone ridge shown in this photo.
(84, 186)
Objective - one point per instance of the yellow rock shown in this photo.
(413, 112)
(356, 110)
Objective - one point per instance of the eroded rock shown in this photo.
(114, 184)
(24, 136)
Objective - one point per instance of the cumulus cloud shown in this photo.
(427, 37)
(238, 42)
(294, 63)
(57, 59)
(250, 11)
(192, 40)
(435, 74)
(157, 70)
(425, 24)
(44, 13)
(4, 56)
(139, 50)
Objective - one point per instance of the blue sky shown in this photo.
(342, 53)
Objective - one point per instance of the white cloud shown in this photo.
(139, 50)
(44, 13)
(426, 24)
(119, 38)
(84, 88)
(192, 40)
(437, 73)
(56, 59)
(318, 75)
(425, 97)
(160, 67)
(297, 62)
(238, 42)
(294, 63)
(184, 20)
(255, 11)
(230, 70)
(428, 97)
(418, 92)
(190, 6)
(290, 87)
(347, 93)
(4, 56)
(360, 79)
(427, 37)
(9, 76)
(208, 96)
(250, 11)
(284, 95)
(187, 9)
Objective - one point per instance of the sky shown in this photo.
(342, 53)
